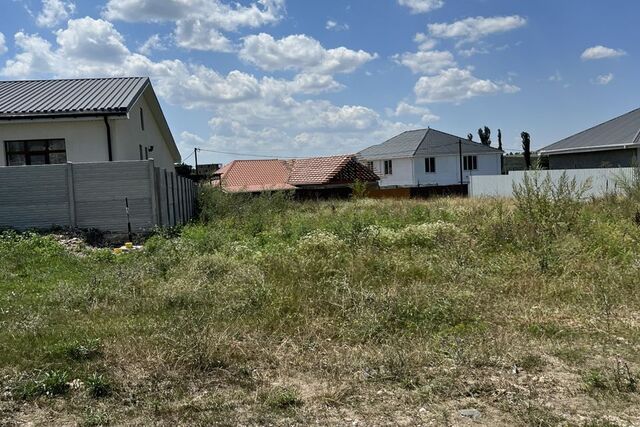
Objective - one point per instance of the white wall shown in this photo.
(410, 172)
(402, 173)
(128, 136)
(448, 169)
(602, 181)
(86, 140)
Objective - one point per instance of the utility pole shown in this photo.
(461, 166)
(195, 152)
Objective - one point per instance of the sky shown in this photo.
(295, 78)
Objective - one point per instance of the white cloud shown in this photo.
(300, 52)
(249, 113)
(405, 109)
(199, 23)
(425, 42)
(601, 52)
(456, 85)
(556, 77)
(199, 35)
(604, 79)
(332, 25)
(153, 43)
(54, 12)
(421, 6)
(3, 45)
(473, 29)
(426, 62)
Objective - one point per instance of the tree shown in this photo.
(526, 146)
(499, 139)
(470, 137)
(485, 136)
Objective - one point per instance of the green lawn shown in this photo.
(270, 311)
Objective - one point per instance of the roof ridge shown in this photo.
(74, 79)
(424, 138)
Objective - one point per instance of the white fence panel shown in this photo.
(603, 181)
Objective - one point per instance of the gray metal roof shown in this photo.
(423, 142)
(74, 97)
(616, 133)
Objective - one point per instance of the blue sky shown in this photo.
(288, 78)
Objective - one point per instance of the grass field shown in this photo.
(360, 312)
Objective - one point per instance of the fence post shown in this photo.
(154, 193)
(73, 222)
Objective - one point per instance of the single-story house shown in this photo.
(615, 143)
(315, 176)
(83, 120)
(430, 158)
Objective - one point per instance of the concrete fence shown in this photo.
(602, 181)
(92, 196)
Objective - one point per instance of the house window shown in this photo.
(35, 152)
(388, 167)
(430, 165)
(141, 119)
(470, 163)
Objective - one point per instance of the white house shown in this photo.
(83, 120)
(430, 158)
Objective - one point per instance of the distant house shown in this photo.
(611, 144)
(83, 120)
(430, 158)
(313, 176)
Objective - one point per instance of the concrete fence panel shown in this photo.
(35, 197)
(92, 195)
(602, 181)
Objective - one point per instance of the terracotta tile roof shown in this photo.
(329, 170)
(269, 175)
(255, 176)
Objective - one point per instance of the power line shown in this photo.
(187, 158)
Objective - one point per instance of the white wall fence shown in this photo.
(603, 181)
(92, 196)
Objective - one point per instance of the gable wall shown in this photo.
(128, 136)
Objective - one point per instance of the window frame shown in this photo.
(388, 167)
(141, 119)
(430, 165)
(470, 163)
(27, 153)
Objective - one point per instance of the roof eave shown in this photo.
(571, 150)
(63, 115)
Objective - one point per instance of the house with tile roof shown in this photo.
(615, 143)
(430, 158)
(83, 120)
(333, 175)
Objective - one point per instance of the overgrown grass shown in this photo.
(271, 311)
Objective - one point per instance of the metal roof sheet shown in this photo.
(423, 142)
(70, 97)
(620, 131)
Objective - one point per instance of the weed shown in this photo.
(98, 386)
(282, 398)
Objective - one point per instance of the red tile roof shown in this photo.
(270, 175)
(250, 176)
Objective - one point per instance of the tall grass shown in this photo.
(274, 311)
